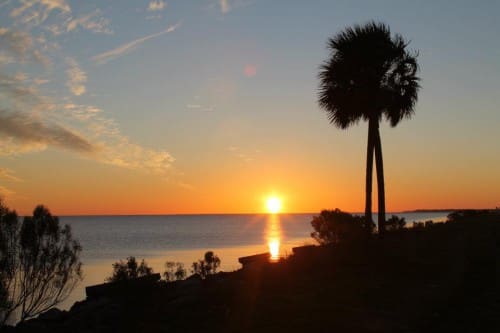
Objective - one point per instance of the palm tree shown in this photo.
(369, 75)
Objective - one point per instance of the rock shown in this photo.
(53, 314)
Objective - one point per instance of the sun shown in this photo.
(273, 205)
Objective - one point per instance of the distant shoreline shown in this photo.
(242, 214)
(430, 210)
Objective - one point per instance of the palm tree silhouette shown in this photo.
(369, 75)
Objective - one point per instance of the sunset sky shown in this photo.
(210, 106)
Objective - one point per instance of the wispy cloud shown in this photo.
(224, 6)
(26, 123)
(28, 129)
(15, 93)
(76, 77)
(156, 5)
(5, 192)
(116, 148)
(35, 12)
(19, 46)
(130, 46)
(8, 175)
(93, 21)
(200, 107)
(238, 153)
(31, 120)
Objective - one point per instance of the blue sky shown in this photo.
(177, 98)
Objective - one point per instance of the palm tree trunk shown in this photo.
(369, 171)
(380, 183)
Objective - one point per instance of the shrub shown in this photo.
(206, 266)
(123, 271)
(174, 271)
(39, 263)
(395, 223)
(418, 225)
(334, 226)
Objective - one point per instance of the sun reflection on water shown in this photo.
(273, 236)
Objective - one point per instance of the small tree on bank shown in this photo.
(39, 263)
(174, 271)
(123, 271)
(395, 223)
(206, 266)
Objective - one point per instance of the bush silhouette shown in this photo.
(395, 223)
(174, 271)
(206, 266)
(334, 226)
(123, 271)
(39, 263)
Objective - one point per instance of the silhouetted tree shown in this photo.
(369, 74)
(334, 226)
(174, 271)
(128, 270)
(395, 223)
(40, 264)
(206, 266)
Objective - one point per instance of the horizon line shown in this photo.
(420, 210)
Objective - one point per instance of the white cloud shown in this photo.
(130, 46)
(76, 77)
(156, 5)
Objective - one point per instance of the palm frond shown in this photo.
(369, 74)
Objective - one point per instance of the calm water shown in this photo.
(185, 238)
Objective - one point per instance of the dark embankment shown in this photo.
(441, 278)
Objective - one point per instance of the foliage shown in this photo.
(395, 223)
(174, 271)
(466, 214)
(39, 263)
(206, 266)
(123, 271)
(418, 225)
(334, 226)
(369, 75)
